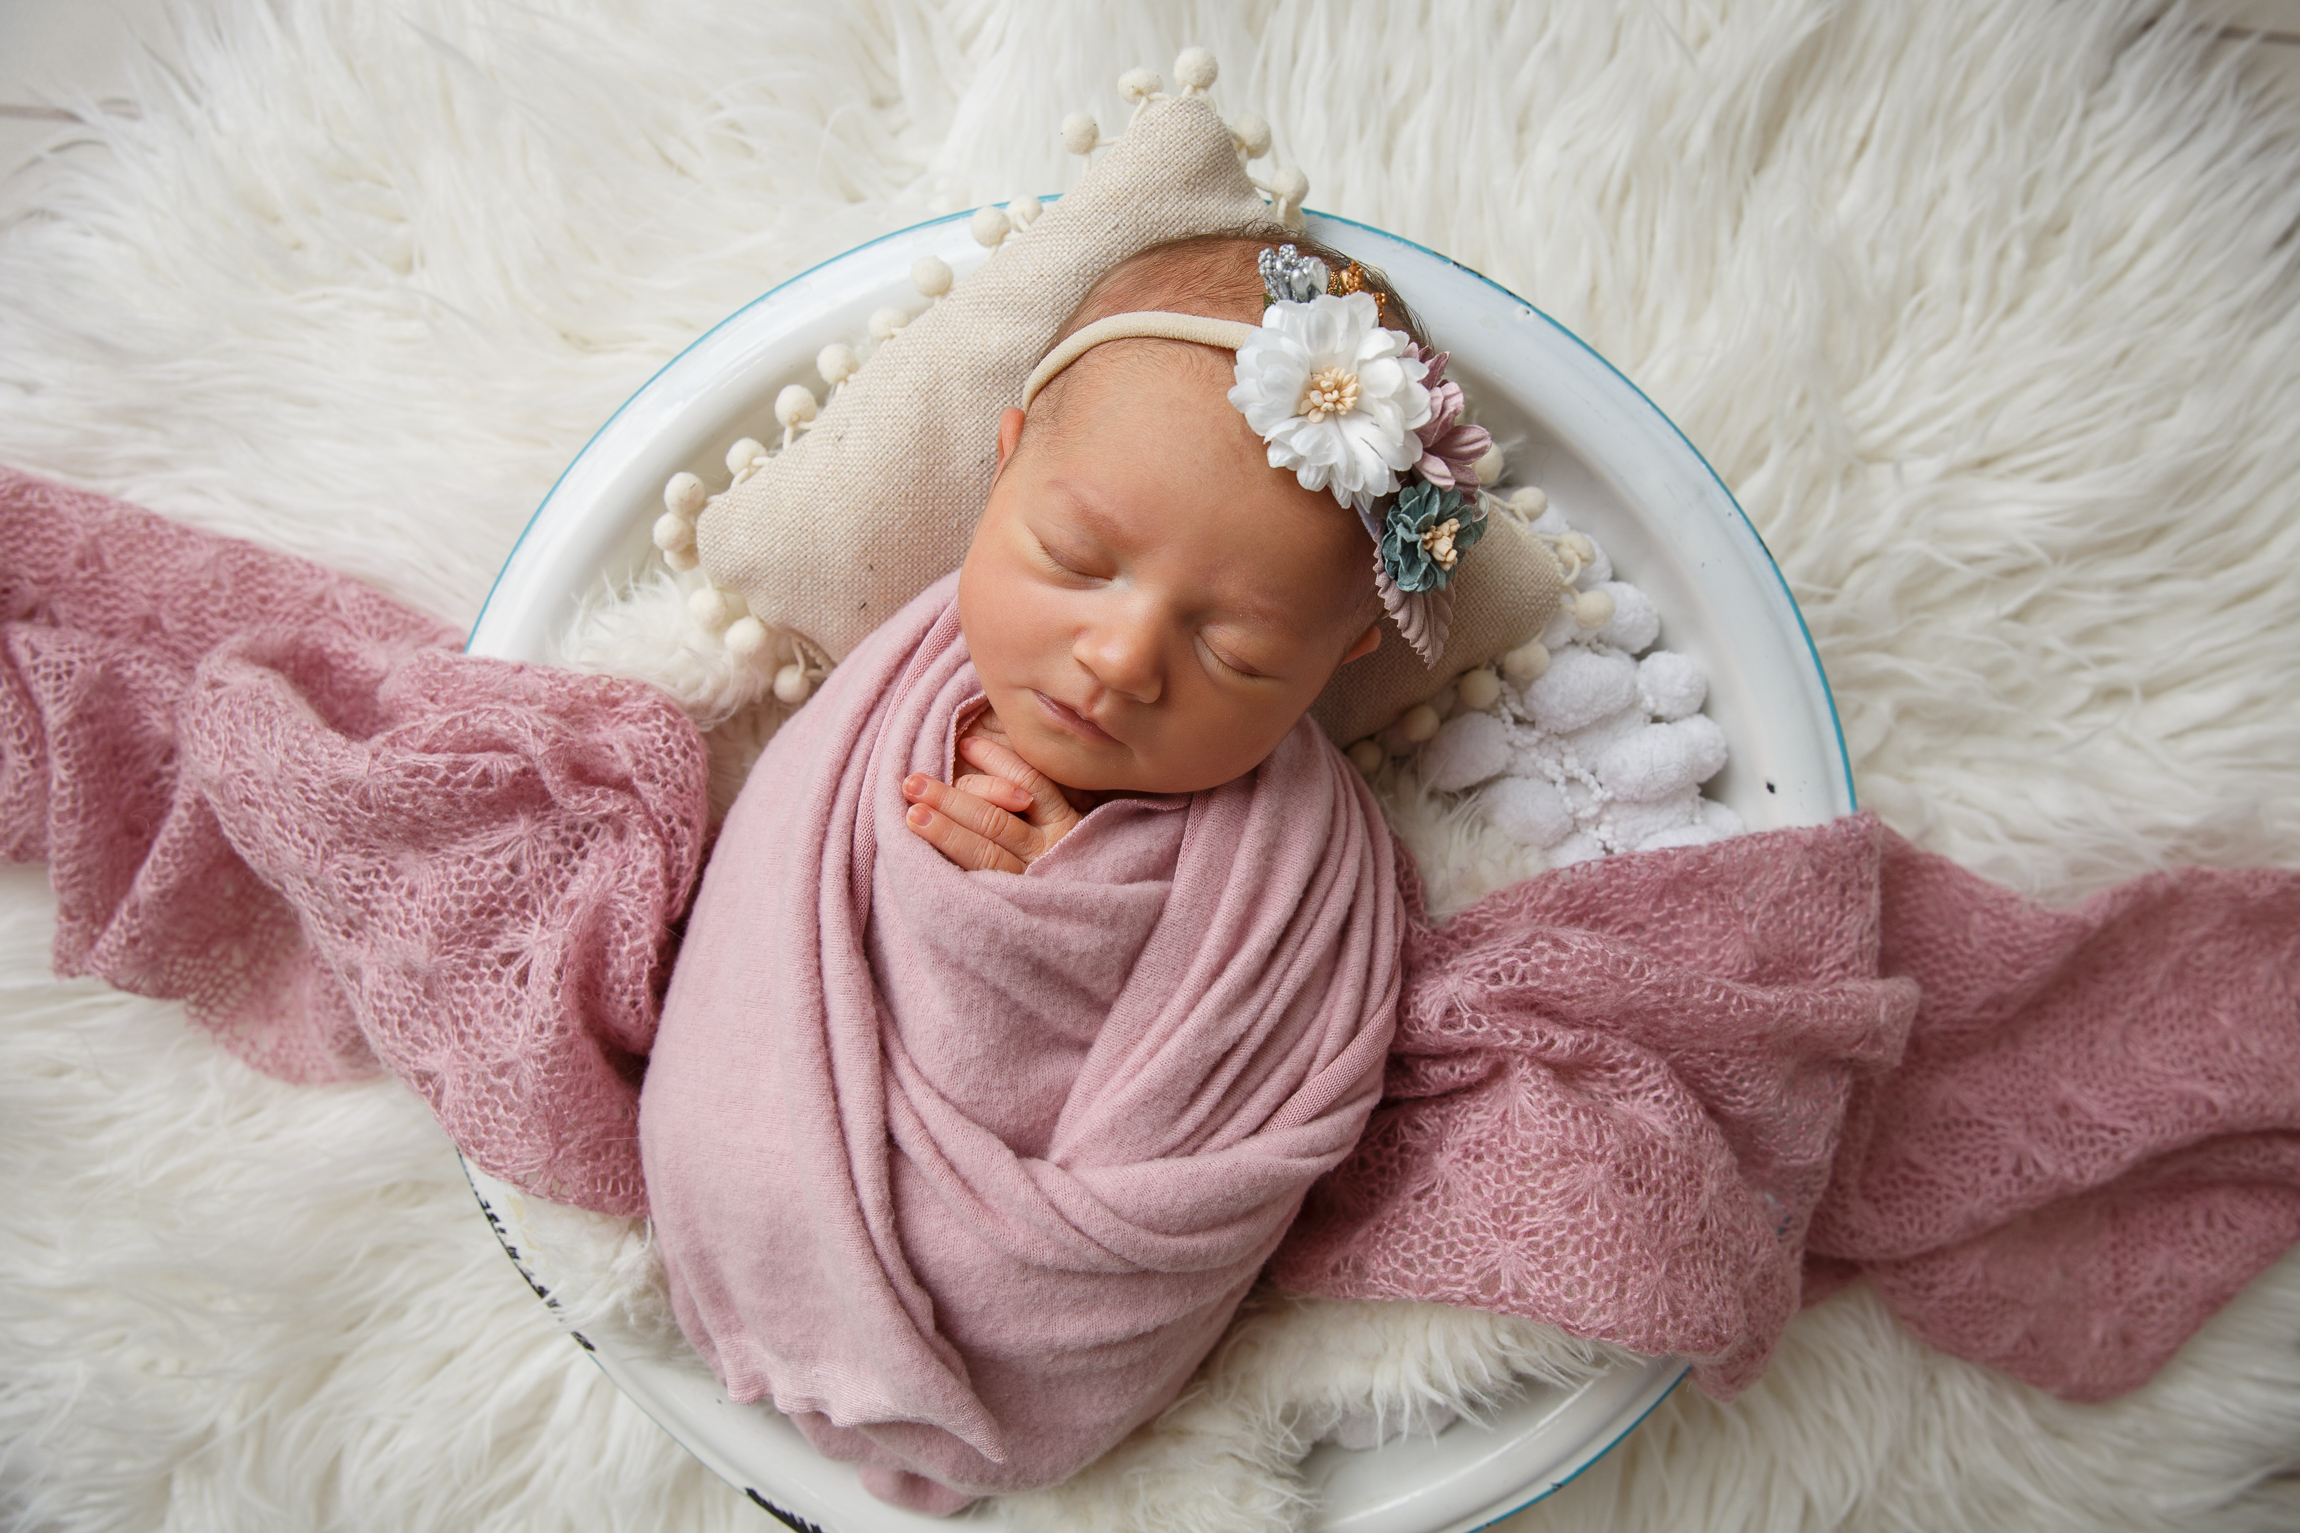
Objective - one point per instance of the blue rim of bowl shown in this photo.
(1828, 694)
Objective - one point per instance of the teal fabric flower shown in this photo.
(1424, 536)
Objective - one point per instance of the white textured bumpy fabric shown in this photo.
(1986, 309)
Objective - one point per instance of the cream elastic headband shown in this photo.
(1349, 407)
(1154, 324)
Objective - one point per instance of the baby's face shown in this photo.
(1150, 605)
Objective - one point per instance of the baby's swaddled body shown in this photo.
(968, 1170)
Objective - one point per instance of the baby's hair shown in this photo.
(1214, 275)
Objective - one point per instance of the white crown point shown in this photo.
(1195, 69)
(1488, 468)
(744, 453)
(1139, 85)
(1080, 133)
(1022, 212)
(885, 322)
(1250, 131)
(674, 533)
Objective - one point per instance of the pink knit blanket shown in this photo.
(967, 1171)
(1659, 1100)
(274, 793)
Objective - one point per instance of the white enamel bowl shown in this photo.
(1609, 459)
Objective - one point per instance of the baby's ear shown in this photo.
(1368, 642)
(1009, 436)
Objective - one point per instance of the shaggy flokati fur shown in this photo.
(1986, 308)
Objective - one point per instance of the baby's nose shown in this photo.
(1123, 654)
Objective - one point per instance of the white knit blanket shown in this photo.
(1987, 309)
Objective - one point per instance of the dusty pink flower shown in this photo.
(1450, 446)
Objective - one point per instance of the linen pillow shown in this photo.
(912, 435)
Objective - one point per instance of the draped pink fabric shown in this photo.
(969, 1170)
(1633, 1098)
(275, 793)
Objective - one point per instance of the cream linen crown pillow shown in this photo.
(912, 436)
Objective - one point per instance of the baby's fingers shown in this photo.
(1047, 808)
(985, 821)
(1007, 795)
(962, 847)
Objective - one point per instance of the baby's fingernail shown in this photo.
(914, 783)
(920, 815)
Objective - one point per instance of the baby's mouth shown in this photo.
(1073, 722)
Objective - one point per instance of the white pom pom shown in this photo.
(1418, 723)
(1671, 684)
(1080, 133)
(837, 363)
(1367, 757)
(681, 559)
(1195, 69)
(990, 227)
(1580, 687)
(1635, 622)
(1250, 131)
(885, 322)
(1529, 811)
(930, 275)
(1022, 212)
(1526, 662)
(1139, 85)
(1662, 759)
(1592, 609)
(1488, 468)
(1479, 689)
(1291, 188)
(683, 495)
(794, 405)
(746, 637)
(1529, 501)
(743, 454)
(792, 685)
(714, 607)
(674, 532)
(1468, 749)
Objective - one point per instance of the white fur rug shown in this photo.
(1988, 310)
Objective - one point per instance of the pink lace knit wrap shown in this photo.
(275, 793)
(1657, 1100)
(1634, 1098)
(967, 1171)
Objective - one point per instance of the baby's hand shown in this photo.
(1005, 816)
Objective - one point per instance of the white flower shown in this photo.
(1335, 395)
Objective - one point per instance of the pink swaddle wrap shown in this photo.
(967, 1171)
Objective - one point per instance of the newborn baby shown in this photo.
(964, 1136)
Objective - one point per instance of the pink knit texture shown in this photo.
(273, 792)
(967, 1171)
(1632, 1098)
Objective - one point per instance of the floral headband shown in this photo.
(1349, 407)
